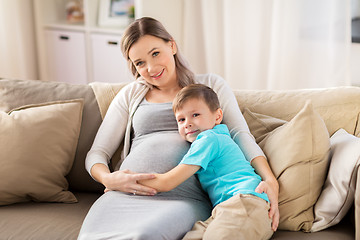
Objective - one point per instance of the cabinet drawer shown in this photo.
(66, 56)
(109, 65)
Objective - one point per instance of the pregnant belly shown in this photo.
(159, 153)
(156, 152)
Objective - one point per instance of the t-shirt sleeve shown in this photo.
(202, 151)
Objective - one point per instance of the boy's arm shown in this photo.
(167, 181)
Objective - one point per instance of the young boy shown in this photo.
(224, 173)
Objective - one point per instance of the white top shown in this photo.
(117, 123)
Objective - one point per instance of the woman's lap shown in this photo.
(120, 216)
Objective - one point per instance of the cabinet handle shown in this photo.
(62, 37)
(112, 43)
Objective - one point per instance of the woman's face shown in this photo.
(154, 60)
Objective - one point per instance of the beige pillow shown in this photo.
(260, 125)
(37, 148)
(298, 156)
(16, 93)
(338, 194)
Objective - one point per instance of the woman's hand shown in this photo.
(270, 186)
(124, 180)
(127, 181)
(272, 190)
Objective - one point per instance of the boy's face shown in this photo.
(195, 117)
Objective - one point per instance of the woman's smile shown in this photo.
(157, 76)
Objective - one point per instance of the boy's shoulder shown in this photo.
(219, 131)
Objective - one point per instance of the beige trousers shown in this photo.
(243, 216)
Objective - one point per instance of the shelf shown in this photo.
(53, 17)
(93, 58)
(104, 30)
(65, 26)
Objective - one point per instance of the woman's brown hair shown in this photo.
(150, 26)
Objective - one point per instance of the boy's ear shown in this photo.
(219, 116)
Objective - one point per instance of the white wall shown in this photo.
(355, 8)
(17, 40)
(172, 14)
(172, 20)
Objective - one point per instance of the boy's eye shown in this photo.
(196, 114)
(181, 119)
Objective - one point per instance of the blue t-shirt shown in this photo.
(224, 170)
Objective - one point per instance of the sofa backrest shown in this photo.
(339, 107)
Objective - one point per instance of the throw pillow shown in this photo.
(260, 125)
(37, 148)
(338, 194)
(298, 156)
(16, 93)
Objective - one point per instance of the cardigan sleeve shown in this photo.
(110, 134)
(233, 117)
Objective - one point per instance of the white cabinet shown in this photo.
(108, 63)
(66, 56)
(77, 52)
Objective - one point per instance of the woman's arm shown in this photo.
(107, 140)
(110, 133)
(269, 186)
(167, 181)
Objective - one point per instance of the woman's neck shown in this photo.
(162, 95)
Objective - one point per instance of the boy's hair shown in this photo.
(198, 91)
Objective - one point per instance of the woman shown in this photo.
(141, 116)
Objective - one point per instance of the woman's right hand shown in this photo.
(122, 180)
(127, 181)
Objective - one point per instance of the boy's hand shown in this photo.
(272, 191)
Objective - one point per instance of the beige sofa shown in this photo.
(294, 135)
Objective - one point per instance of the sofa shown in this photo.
(310, 137)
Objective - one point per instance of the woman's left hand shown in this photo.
(272, 190)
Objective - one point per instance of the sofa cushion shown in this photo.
(344, 231)
(37, 148)
(45, 220)
(16, 93)
(338, 194)
(296, 151)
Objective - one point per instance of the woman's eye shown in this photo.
(139, 64)
(196, 114)
(155, 54)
